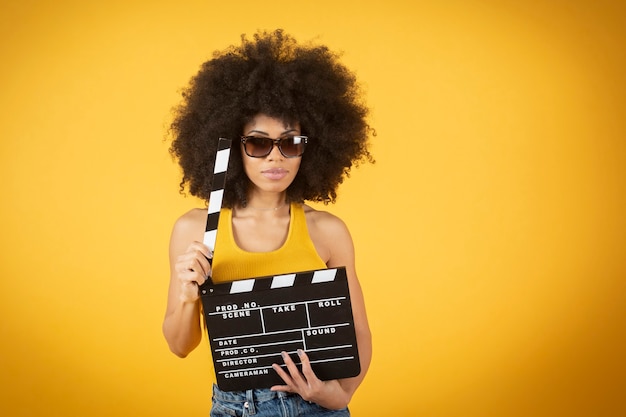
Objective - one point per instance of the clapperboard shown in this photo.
(250, 322)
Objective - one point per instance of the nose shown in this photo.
(275, 153)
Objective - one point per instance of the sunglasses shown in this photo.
(289, 147)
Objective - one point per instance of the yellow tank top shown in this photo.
(297, 254)
(231, 263)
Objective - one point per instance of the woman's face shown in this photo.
(273, 172)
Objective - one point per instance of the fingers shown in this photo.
(192, 269)
(195, 259)
(297, 378)
(329, 394)
(192, 265)
(301, 382)
(285, 377)
(291, 385)
(188, 292)
(307, 371)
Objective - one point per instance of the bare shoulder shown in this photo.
(330, 236)
(190, 226)
(320, 221)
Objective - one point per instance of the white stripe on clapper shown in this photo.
(221, 160)
(281, 281)
(209, 238)
(324, 275)
(244, 285)
(215, 201)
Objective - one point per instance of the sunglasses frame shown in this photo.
(277, 143)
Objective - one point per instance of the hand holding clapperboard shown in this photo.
(251, 321)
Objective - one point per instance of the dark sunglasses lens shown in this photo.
(293, 146)
(258, 146)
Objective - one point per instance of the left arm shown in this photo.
(334, 243)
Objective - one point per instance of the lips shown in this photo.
(274, 173)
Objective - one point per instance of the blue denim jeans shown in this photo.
(266, 403)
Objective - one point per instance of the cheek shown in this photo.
(296, 165)
(247, 163)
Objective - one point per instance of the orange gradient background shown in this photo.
(490, 234)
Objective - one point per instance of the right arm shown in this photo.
(189, 268)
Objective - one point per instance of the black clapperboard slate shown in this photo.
(251, 321)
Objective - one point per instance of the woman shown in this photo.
(300, 121)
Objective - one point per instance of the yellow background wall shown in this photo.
(490, 233)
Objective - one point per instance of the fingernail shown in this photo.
(284, 354)
(300, 352)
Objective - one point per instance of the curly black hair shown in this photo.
(272, 75)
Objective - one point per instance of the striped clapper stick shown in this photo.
(251, 321)
(217, 191)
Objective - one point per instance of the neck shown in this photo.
(266, 201)
(283, 204)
